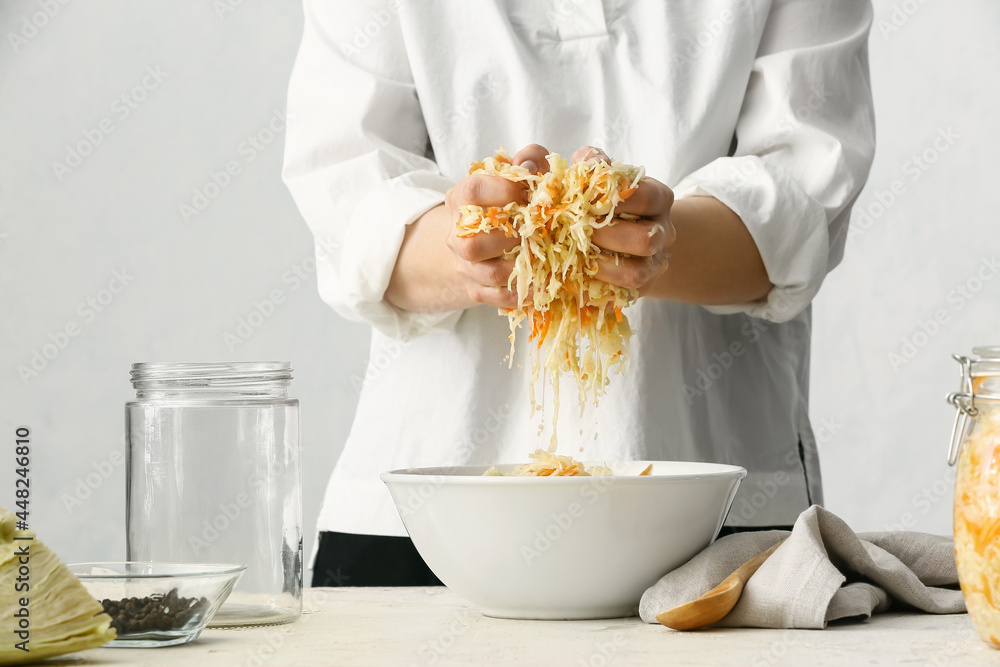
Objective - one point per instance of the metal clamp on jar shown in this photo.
(213, 477)
(975, 445)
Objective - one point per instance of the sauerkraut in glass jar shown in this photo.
(975, 444)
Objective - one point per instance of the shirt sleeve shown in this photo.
(356, 158)
(805, 142)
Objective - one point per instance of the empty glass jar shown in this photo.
(975, 444)
(213, 477)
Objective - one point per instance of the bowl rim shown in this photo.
(439, 474)
(199, 570)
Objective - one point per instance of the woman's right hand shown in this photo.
(479, 259)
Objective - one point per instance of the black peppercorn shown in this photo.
(156, 613)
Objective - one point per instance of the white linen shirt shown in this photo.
(763, 104)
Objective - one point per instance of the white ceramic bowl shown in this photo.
(565, 547)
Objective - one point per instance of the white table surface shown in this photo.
(432, 626)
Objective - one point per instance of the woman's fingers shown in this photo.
(482, 246)
(501, 297)
(532, 157)
(630, 272)
(642, 238)
(483, 190)
(490, 272)
(590, 153)
(650, 199)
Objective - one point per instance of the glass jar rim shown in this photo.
(988, 362)
(215, 374)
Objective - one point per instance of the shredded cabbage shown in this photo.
(577, 322)
(547, 464)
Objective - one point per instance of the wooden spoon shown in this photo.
(713, 606)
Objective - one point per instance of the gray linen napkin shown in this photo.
(823, 572)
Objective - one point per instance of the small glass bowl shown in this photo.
(158, 604)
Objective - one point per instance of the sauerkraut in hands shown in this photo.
(576, 322)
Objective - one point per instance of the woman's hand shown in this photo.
(479, 259)
(715, 262)
(637, 249)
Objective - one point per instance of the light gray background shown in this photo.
(883, 429)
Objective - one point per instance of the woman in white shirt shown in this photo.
(754, 122)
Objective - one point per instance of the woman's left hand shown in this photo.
(637, 249)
